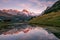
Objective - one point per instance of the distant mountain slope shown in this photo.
(54, 8)
(5, 14)
(16, 12)
(51, 19)
(15, 15)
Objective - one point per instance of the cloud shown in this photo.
(50, 2)
(26, 5)
(35, 1)
(36, 5)
(42, 3)
(5, 1)
(0, 4)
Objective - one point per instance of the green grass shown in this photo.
(51, 19)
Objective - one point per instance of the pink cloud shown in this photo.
(50, 2)
(45, 4)
(26, 5)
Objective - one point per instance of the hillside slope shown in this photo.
(51, 19)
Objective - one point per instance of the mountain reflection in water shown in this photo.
(29, 33)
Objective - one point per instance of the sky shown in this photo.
(36, 6)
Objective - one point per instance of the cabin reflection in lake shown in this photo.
(29, 33)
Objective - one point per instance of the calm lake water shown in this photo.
(27, 32)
